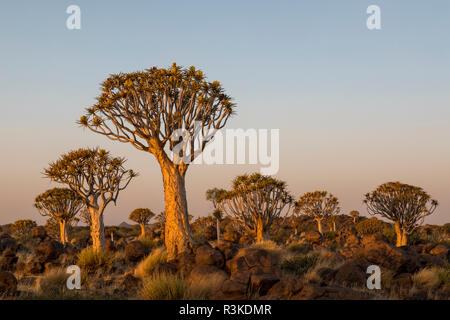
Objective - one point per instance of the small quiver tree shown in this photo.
(405, 205)
(142, 216)
(61, 205)
(354, 214)
(97, 178)
(23, 227)
(255, 201)
(318, 205)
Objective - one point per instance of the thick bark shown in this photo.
(178, 238)
(398, 232)
(62, 232)
(404, 238)
(260, 234)
(319, 225)
(334, 226)
(97, 229)
(142, 229)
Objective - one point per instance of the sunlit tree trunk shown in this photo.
(178, 238)
(404, 238)
(97, 229)
(260, 234)
(142, 229)
(319, 225)
(398, 232)
(62, 231)
(334, 226)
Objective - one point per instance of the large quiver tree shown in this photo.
(61, 205)
(163, 111)
(405, 205)
(255, 201)
(97, 178)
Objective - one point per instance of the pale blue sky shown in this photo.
(355, 107)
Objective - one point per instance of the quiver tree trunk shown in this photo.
(319, 225)
(218, 230)
(63, 232)
(97, 229)
(398, 233)
(177, 238)
(260, 234)
(142, 229)
(404, 238)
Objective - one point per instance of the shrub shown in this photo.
(204, 288)
(330, 235)
(148, 243)
(428, 278)
(370, 226)
(147, 266)
(298, 265)
(165, 286)
(91, 260)
(298, 248)
(53, 283)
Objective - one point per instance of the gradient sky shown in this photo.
(355, 108)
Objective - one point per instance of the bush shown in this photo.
(147, 266)
(53, 283)
(428, 278)
(165, 287)
(298, 265)
(298, 248)
(91, 260)
(148, 243)
(330, 235)
(370, 226)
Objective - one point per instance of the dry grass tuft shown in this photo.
(165, 286)
(146, 267)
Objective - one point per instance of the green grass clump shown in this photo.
(299, 265)
(92, 260)
(165, 286)
(147, 266)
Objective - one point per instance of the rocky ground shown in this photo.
(299, 263)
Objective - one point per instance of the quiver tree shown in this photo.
(163, 111)
(318, 205)
(97, 178)
(142, 216)
(213, 195)
(255, 201)
(23, 227)
(405, 205)
(355, 215)
(62, 205)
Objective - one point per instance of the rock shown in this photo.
(128, 285)
(8, 284)
(228, 249)
(313, 237)
(48, 250)
(8, 260)
(38, 232)
(164, 267)
(6, 242)
(135, 251)
(207, 273)
(234, 290)
(286, 287)
(206, 255)
(109, 246)
(241, 277)
(427, 260)
(352, 241)
(232, 236)
(184, 262)
(389, 257)
(351, 273)
(262, 283)
(35, 266)
(440, 251)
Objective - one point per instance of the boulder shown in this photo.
(351, 273)
(48, 250)
(231, 235)
(8, 260)
(135, 251)
(263, 282)
(6, 242)
(184, 262)
(228, 249)
(8, 284)
(313, 237)
(439, 250)
(234, 290)
(206, 255)
(286, 287)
